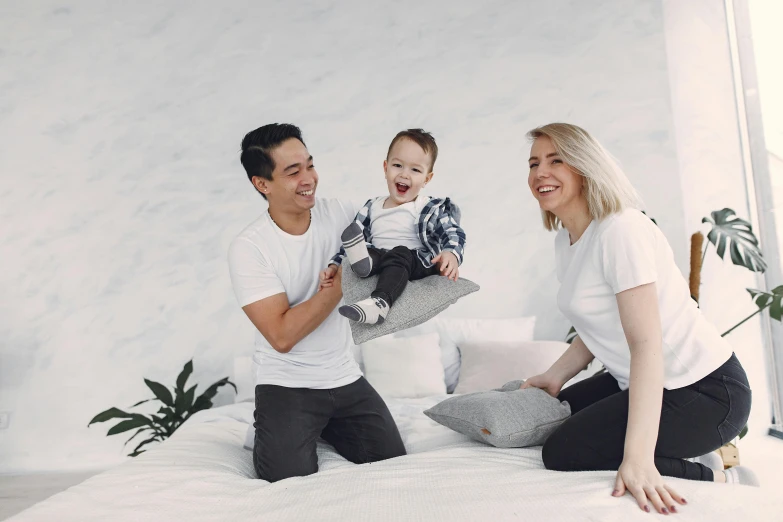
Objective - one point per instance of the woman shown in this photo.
(673, 388)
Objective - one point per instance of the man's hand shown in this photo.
(327, 277)
(448, 265)
(284, 326)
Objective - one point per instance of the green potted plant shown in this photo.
(735, 235)
(175, 410)
(729, 232)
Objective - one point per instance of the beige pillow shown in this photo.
(456, 331)
(407, 367)
(485, 365)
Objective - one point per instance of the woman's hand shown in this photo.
(449, 266)
(576, 357)
(642, 480)
(326, 278)
(545, 381)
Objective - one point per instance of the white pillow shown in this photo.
(486, 365)
(409, 367)
(454, 331)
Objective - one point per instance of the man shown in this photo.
(307, 381)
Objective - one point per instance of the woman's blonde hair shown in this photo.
(606, 188)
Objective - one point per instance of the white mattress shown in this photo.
(204, 473)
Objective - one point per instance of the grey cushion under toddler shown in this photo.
(506, 417)
(420, 301)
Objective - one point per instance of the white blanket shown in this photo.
(203, 473)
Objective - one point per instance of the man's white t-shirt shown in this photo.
(265, 261)
(396, 226)
(620, 252)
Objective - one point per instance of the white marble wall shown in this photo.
(120, 125)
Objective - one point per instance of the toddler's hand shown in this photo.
(326, 278)
(448, 265)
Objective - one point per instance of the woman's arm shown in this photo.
(641, 321)
(573, 361)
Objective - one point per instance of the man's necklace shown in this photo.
(278, 226)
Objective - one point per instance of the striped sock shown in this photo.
(356, 250)
(368, 311)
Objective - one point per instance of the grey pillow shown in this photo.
(421, 300)
(506, 417)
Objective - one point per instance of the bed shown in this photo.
(204, 473)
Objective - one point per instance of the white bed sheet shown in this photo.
(203, 473)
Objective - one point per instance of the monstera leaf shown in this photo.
(772, 300)
(736, 233)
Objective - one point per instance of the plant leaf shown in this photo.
(773, 300)
(737, 234)
(776, 309)
(145, 428)
(651, 219)
(210, 392)
(183, 376)
(571, 335)
(141, 402)
(162, 420)
(201, 404)
(127, 425)
(159, 422)
(136, 453)
(760, 297)
(744, 431)
(154, 438)
(184, 400)
(204, 401)
(161, 392)
(179, 400)
(189, 395)
(111, 413)
(170, 420)
(168, 414)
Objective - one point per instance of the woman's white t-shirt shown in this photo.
(620, 252)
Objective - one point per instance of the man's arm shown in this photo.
(284, 326)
